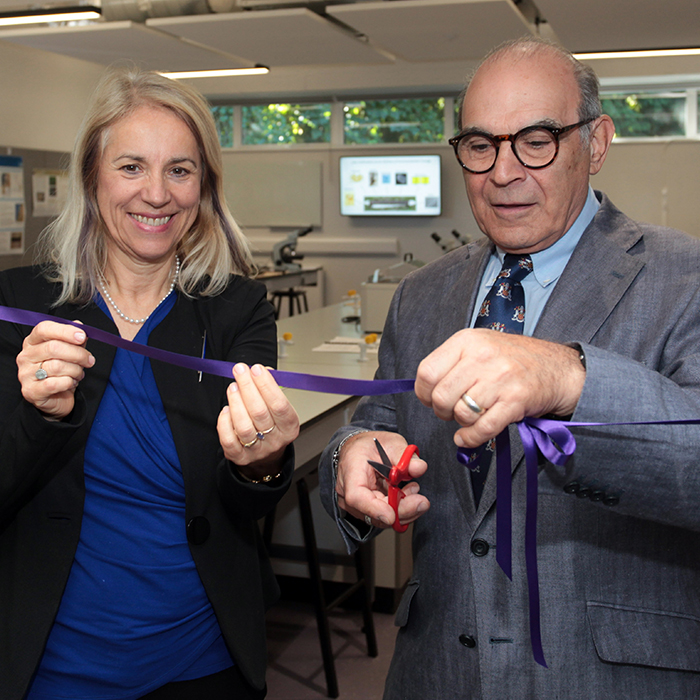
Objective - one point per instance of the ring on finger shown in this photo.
(260, 434)
(471, 404)
(41, 373)
(247, 444)
(368, 520)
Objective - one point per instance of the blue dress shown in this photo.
(134, 615)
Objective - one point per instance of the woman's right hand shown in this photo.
(58, 349)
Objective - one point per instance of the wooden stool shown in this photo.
(294, 295)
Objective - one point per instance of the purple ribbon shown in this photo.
(550, 437)
(291, 380)
(555, 441)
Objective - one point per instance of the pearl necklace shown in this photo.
(142, 320)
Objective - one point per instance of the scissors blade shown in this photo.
(384, 457)
(382, 469)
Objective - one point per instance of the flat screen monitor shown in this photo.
(390, 185)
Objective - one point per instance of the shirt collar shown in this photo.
(548, 264)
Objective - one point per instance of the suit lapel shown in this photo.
(95, 381)
(596, 277)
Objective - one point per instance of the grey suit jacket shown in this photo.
(619, 583)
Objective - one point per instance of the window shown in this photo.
(672, 111)
(394, 121)
(286, 123)
(646, 114)
(223, 117)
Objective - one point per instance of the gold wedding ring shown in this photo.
(259, 435)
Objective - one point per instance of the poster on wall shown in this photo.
(13, 211)
(49, 192)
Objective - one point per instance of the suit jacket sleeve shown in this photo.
(256, 343)
(29, 444)
(373, 413)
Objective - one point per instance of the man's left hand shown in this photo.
(506, 377)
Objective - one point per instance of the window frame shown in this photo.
(661, 85)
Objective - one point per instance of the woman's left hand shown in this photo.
(258, 423)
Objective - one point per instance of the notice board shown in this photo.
(36, 218)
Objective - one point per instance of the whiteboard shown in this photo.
(283, 193)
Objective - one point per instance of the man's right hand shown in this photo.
(362, 491)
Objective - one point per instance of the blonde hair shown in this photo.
(72, 248)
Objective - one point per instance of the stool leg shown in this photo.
(363, 566)
(324, 632)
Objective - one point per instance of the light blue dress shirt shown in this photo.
(548, 265)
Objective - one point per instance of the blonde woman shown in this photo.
(130, 561)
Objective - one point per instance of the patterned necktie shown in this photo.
(502, 310)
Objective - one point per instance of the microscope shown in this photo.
(284, 253)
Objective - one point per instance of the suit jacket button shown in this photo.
(480, 548)
(572, 487)
(198, 530)
(467, 640)
(584, 492)
(597, 495)
(611, 500)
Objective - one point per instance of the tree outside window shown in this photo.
(223, 118)
(286, 123)
(394, 121)
(646, 115)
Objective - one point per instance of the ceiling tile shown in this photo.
(274, 37)
(435, 30)
(110, 42)
(618, 25)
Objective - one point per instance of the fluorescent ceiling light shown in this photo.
(58, 14)
(225, 73)
(654, 53)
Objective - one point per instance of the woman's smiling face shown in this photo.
(149, 183)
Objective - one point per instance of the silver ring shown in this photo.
(41, 373)
(260, 435)
(471, 404)
(368, 520)
(247, 444)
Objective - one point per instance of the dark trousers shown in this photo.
(225, 685)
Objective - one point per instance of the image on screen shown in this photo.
(390, 185)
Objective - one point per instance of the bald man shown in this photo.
(608, 329)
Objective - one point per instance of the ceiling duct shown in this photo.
(141, 10)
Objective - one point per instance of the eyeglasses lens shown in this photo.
(534, 148)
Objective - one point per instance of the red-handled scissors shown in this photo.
(396, 475)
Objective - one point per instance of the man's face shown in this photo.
(520, 209)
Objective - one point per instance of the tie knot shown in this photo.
(516, 267)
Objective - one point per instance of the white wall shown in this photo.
(42, 97)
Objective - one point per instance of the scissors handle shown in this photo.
(398, 474)
(395, 496)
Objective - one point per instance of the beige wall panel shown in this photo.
(43, 97)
